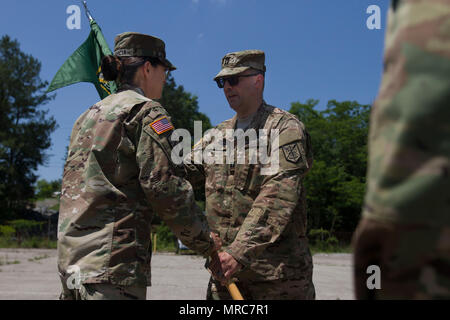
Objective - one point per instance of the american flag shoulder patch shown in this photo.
(161, 125)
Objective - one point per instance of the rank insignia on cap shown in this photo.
(161, 125)
(292, 152)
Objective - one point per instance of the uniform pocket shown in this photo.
(217, 178)
(241, 176)
(217, 168)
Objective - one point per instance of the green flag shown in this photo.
(84, 65)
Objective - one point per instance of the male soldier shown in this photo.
(117, 175)
(405, 229)
(261, 219)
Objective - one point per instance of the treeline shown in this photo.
(25, 129)
(335, 185)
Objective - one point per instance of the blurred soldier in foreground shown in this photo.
(117, 175)
(405, 228)
(261, 219)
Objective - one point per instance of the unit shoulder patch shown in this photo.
(292, 152)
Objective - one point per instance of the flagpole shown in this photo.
(88, 14)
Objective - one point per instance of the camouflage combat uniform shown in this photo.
(261, 219)
(405, 228)
(117, 175)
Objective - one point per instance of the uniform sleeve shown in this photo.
(279, 195)
(169, 194)
(195, 171)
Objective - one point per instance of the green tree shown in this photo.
(24, 128)
(182, 107)
(45, 189)
(336, 183)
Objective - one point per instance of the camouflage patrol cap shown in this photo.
(237, 62)
(133, 44)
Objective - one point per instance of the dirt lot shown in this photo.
(31, 274)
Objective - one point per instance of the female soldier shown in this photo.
(117, 174)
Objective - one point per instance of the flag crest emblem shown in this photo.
(161, 125)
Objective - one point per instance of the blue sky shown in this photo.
(320, 49)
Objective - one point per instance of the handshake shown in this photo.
(221, 265)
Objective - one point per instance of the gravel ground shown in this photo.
(31, 274)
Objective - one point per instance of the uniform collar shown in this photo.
(258, 120)
(126, 86)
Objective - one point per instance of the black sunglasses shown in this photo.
(233, 80)
(149, 59)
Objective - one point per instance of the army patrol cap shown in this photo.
(133, 44)
(235, 63)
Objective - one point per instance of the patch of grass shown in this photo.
(4, 261)
(33, 242)
(322, 241)
(165, 240)
(320, 247)
(165, 247)
(162, 245)
(187, 252)
(39, 243)
(45, 256)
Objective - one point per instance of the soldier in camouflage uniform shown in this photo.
(405, 228)
(119, 173)
(261, 219)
